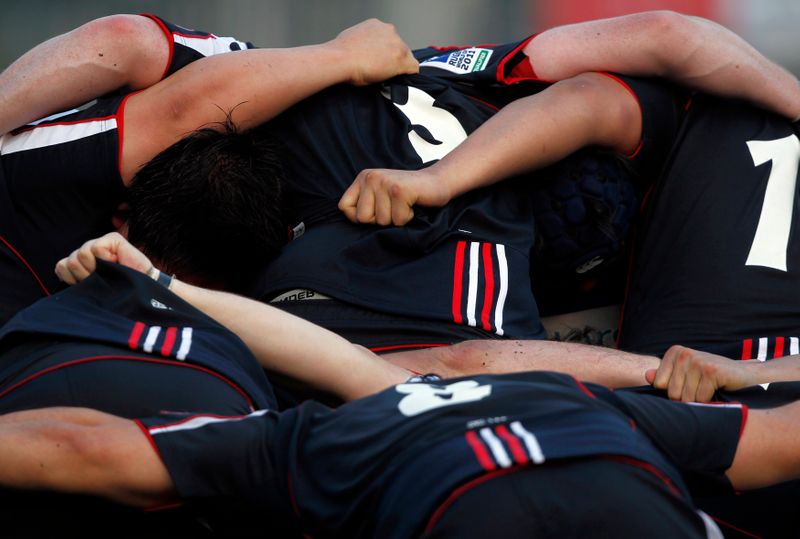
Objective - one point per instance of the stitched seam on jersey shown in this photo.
(74, 362)
(25, 263)
(461, 490)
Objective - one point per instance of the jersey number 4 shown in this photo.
(774, 225)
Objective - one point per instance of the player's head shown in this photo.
(584, 207)
(210, 207)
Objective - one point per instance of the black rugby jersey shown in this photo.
(718, 267)
(380, 466)
(466, 263)
(60, 182)
(129, 316)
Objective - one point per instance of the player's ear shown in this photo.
(119, 220)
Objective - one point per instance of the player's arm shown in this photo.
(692, 51)
(82, 451)
(68, 70)
(769, 448)
(598, 364)
(587, 110)
(254, 86)
(693, 376)
(280, 341)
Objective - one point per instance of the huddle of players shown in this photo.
(485, 270)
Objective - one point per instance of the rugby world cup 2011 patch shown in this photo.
(461, 61)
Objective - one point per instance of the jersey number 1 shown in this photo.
(772, 234)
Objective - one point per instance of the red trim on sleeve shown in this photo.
(120, 116)
(146, 432)
(168, 36)
(638, 103)
(25, 263)
(163, 506)
(515, 76)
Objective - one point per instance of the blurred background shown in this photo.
(771, 25)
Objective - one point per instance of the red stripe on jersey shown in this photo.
(778, 347)
(488, 291)
(136, 334)
(520, 457)
(481, 453)
(168, 36)
(747, 349)
(25, 263)
(458, 281)
(169, 341)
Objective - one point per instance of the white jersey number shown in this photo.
(421, 398)
(771, 240)
(445, 128)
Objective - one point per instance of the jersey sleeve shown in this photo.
(701, 439)
(210, 456)
(663, 109)
(186, 46)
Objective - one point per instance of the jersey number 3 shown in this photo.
(774, 225)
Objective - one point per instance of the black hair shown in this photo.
(210, 207)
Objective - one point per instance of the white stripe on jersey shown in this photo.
(150, 340)
(50, 135)
(794, 346)
(716, 404)
(531, 443)
(502, 270)
(763, 344)
(209, 46)
(199, 422)
(496, 447)
(186, 344)
(472, 294)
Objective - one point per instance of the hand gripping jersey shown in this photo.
(118, 313)
(60, 181)
(466, 264)
(380, 466)
(719, 265)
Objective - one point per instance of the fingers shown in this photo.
(687, 375)
(112, 247)
(378, 197)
